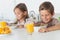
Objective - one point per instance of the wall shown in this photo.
(7, 6)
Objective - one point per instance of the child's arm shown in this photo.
(39, 24)
(56, 27)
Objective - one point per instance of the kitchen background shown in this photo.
(7, 7)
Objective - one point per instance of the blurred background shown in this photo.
(7, 7)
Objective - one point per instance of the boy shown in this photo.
(46, 10)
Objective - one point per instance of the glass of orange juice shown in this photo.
(29, 26)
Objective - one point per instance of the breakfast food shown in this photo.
(4, 29)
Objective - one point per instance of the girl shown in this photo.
(21, 13)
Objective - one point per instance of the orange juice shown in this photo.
(30, 27)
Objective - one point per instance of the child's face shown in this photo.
(19, 13)
(45, 16)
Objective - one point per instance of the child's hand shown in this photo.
(21, 26)
(42, 30)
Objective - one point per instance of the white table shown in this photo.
(21, 34)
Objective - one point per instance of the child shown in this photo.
(21, 13)
(46, 10)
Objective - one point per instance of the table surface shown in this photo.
(21, 34)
